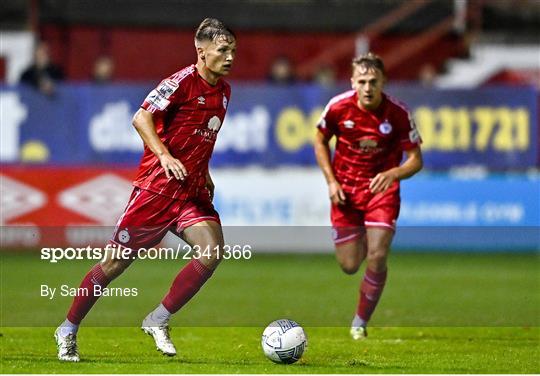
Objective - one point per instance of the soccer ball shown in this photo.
(284, 341)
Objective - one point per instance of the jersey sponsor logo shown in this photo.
(368, 145)
(225, 102)
(207, 134)
(210, 134)
(348, 124)
(123, 236)
(385, 127)
(214, 123)
(201, 100)
(167, 88)
(157, 100)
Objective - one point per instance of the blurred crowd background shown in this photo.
(283, 42)
(73, 73)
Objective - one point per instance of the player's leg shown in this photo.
(133, 232)
(199, 226)
(348, 234)
(206, 235)
(380, 218)
(371, 288)
(209, 237)
(351, 253)
(100, 275)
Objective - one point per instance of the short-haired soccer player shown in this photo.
(372, 131)
(178, 122)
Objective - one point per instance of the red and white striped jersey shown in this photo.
(188, 113)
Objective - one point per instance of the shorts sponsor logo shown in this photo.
(385, 127)
(225, 102)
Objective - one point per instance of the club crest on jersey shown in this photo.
(348, 124)
(385, 127)
(201, 100)
(225, 102)
(167, 88)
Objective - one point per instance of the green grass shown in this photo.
(440, 313)
(237, 350)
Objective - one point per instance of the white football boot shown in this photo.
(67, 347)
(161, 336)
(358, 332)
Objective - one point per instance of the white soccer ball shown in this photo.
(284, 341)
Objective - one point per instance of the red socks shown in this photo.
(370, 291)
(83, 302)
(185, 285)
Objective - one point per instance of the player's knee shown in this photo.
(349, 267)
(377, 259)
(113, 267)
(213, 256)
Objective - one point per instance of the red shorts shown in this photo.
(148, 216)
(349, 221)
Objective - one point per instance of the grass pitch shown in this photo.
(440, 313)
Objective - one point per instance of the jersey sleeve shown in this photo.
(169, 91)
(327, 124)
(409, 138)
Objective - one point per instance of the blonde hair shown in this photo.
(368, 61)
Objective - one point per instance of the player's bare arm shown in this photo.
(210, 185)
(383, 180)
(144, 124)
(322, 153)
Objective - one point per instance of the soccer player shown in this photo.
(372, 131)
(178, 122)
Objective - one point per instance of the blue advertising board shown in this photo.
(497, 212)
(267, 125)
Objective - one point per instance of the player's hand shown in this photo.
(173, 167)
(337, 196)
(382, 181)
